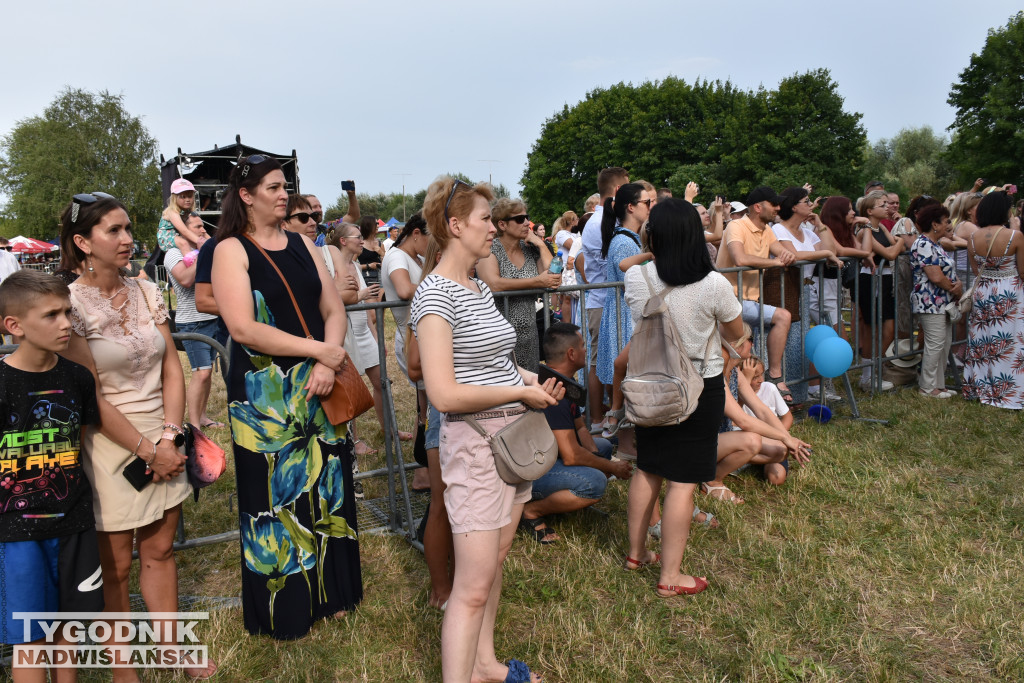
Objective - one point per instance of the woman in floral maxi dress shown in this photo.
(297, 517)
(994, 361)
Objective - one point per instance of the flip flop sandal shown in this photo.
(539, 535)
(212, 423)
(518, 672)
(786, 394)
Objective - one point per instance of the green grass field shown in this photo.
(894, 556)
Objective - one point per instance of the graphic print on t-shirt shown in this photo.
(43, 488)
(37, 462)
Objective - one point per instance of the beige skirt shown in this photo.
(116, 504)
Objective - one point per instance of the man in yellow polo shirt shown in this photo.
(750, 242)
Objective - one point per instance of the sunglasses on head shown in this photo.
(519, 218)
(304, 216)
(250, 161)
(451, 195)
(86, 198)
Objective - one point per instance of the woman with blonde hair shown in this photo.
(465, 347)
(519, 259)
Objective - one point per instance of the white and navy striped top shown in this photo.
(482, 339)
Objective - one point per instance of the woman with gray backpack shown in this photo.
(680, 290)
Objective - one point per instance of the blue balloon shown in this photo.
(832, 357)
(815, 336)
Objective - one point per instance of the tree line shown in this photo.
(668, 132)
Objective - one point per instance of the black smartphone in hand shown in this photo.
(137, 473)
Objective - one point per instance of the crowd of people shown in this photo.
(98, 345)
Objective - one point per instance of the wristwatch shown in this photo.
(177, 439)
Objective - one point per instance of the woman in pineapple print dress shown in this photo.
(297, 517)
(994, 362)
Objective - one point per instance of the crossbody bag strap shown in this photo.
(664, 298)
(477, 428)
(288, 289)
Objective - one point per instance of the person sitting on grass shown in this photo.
(580, 474)
(752, 369)
(755, 435)
(49, 552)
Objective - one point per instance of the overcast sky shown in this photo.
(369, 90)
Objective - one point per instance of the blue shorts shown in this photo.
(50, 575)
(582, 482)
(200, 354)
(433, 437)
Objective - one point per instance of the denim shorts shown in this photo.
(200, 354)
(433, 437)
(582, 482)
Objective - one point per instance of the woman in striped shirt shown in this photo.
(465, 348)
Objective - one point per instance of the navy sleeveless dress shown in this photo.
(297, 513)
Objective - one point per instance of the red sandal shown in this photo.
(633, 565)
(700, 585)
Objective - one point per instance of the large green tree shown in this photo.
(82, 142)
(912, 162)
(384, 205)
(988, 131)
(670, 132)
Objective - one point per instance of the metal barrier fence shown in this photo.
(397, 513)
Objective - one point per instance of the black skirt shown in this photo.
(687, 452)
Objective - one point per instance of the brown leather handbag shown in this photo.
(349, 398)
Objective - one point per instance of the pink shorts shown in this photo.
(476, 497)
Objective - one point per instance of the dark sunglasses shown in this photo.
(7, 248)
(645, 201)
(451, 196)
(86, 198)
(254, 160)
(520, 218)
(304, 216)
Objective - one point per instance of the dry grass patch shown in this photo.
(895, 556)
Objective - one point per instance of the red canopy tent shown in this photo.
(27, 245)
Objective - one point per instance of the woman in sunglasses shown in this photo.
(293, 467)
(519, 259)
(120, 333)
(465, 350)
(620, 240)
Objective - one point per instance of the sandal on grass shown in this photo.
(612, 428)
(727, 495)
(518, 672)
(709, 519)
(540, 535)
(786, 394)
(633, 565)
(700, 584)
(212, 424)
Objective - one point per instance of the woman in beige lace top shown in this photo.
(120, 333)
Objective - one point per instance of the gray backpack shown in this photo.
(662, 386)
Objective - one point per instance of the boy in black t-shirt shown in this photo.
(49, 558)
